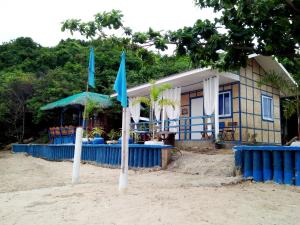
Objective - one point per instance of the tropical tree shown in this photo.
(153, 100)
(112, 20)
(267, 27)
(16, 88)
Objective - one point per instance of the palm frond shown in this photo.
(156, 91)
(167, 102)
(144, 100)
(289, 107)
(279, 82)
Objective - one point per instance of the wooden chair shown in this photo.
(64, 131)
(222, 131)
(229, 131)
(51, 133)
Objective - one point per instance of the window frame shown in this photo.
(264, 118)
(229, 115)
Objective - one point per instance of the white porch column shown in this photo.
(163, 119)
(216, 100)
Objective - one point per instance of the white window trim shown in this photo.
(262, 108)
(230, 108)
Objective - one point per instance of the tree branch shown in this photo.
(291, 4)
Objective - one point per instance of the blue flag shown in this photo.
(92, 68)
(120, 83)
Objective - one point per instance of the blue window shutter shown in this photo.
(226, 103)
(221, 106)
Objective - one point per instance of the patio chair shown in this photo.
(57, 135)
(229, 131)
(71, 134)
(222, 130)
(51, 133)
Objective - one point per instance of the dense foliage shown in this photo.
(267, 27)
(32, 75)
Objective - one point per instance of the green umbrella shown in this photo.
(80, 99)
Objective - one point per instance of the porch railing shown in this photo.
(186, 128)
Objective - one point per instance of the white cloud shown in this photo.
(41, 20)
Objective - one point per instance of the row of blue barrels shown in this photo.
(283, 167)
(102, 154)
(19, 148)
(138, 157)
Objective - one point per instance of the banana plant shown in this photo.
(153, 100)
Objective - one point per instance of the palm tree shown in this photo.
(155, 99)
(291, 106)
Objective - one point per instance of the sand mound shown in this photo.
(221, 165)
(209, 170)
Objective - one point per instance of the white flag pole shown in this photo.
(77, 155)
(123, 180)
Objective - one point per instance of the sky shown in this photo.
(41, 19)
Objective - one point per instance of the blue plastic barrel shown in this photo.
(19, 148)
(106, 156)
(145, 158)
(155, 160)
(131, 157)
(140, 157)
(267, 166)
(248, 164)
(238, 159)
(158, 153)
(288, 166)
(135, 157)
(115, 156)
(98, 140)
(29, 150)
(159, 156)
(257, 166)
(49, 153)
(277, 167)
(101, 157)
(151, 157)
(297, 168)
(119, 156)
(111, 156)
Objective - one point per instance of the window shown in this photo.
(267, 108)
(225, 104)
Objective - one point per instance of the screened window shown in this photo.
(225, 104)
(267, 108)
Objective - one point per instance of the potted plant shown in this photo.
(151, 101)
(96, 134)
(113, 136)
(91, 108)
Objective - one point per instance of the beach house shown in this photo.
(232, 106)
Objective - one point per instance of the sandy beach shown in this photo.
(36, 191)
